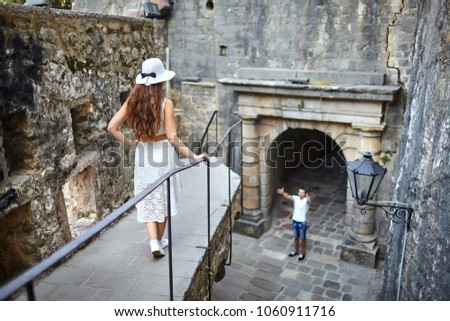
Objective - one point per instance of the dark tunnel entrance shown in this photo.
(307, 150)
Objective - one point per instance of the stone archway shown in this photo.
(351, 115)
(260, 135)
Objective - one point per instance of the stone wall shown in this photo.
(199, 101)
(399, 47)
(400, 39)
(423, 166)
(325, 35)
(64, 74)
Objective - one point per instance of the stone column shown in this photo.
(266, 185)
(251, 222)
(360, 244)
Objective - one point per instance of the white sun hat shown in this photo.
(153, 72)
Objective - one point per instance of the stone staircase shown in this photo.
(118, 265)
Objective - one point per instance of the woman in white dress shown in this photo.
(151, 116)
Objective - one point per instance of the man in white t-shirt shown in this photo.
(302, 201)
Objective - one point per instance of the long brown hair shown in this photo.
(144, 109)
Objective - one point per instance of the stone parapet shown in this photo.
(61, 85)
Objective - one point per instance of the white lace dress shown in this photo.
(152, 160)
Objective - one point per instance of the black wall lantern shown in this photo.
(365, 176)
(150, 10)
(156, 8)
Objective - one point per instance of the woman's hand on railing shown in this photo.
(203, 156)
(133, 145)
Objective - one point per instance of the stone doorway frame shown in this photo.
(352, 115)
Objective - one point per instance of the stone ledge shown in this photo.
(209, 84)
(337, 91)
(337, 77)
(371, 127)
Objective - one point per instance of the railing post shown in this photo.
(208, 174)
(217, 128)
(241, 149)
(230, 219)
(229, 168)
(30, 291)
(169, 231)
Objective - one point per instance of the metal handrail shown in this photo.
(25, 279)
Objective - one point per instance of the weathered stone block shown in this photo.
(252, 226)
(354, 254)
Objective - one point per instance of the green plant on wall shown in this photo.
(386, 158)
(301, 105)
(61, 4)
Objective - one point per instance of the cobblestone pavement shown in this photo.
(262, 270)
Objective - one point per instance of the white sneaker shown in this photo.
(157, 251)
(163, 243)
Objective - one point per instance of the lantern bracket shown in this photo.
(396, 212)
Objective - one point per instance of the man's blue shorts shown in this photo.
(299, 229)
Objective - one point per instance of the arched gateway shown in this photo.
(350, 108)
